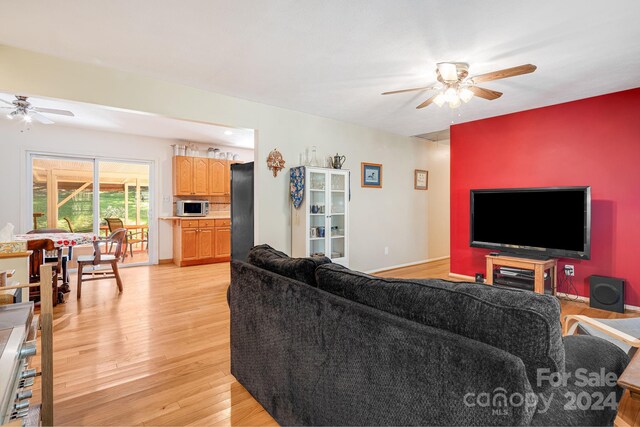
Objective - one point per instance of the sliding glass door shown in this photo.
(63, 197)
(124, 198)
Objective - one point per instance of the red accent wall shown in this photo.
(594, 141)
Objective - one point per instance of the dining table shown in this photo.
(60, 241)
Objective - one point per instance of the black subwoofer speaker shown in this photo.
(606, 293)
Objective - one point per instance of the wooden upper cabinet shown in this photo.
(227, 178)
(200, 176)
(217, 177)
(183, 176)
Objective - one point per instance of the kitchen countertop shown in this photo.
(216, 215)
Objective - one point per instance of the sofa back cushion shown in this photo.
(301, 269)
(523, 323)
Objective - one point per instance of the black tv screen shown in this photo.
(554, 222)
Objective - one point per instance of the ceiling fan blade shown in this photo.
(39, 117)
(54, 111)
(503, 74)
(485, 93)
(408, 90)
(427, 102)
(448, 71)
(5, 101)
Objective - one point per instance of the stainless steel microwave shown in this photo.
(192, 207)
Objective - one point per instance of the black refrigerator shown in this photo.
(241, 210)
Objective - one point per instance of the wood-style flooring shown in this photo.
(158, 354)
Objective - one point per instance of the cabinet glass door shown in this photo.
(338, 193)
(317, 213)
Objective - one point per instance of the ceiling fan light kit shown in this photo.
(19, 114)
(455, 86)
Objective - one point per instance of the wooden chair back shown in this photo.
(116, 239)
(69, 224)
(36, 215)
(114, 224)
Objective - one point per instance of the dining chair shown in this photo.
(36, 215)
(65, 259)
(116, 239)
(134, 237)
(38, 258)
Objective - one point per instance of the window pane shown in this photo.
(63, 194)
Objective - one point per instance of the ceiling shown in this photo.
(333, 58)
(97, 117)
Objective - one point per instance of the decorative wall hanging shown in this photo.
(371, 175)
(275, 162)
(420, 179)
(296, 176)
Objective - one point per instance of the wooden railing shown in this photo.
(46, 339)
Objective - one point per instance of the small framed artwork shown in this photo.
(420, 179)
(371, 175)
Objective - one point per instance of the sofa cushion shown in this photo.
(302, 269)
(523, 323)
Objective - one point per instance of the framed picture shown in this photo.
(371, 175)
(420, 179)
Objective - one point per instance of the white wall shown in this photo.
(15, 143)
(439, 199)
(395, 216)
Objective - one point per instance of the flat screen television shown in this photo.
(548, 222)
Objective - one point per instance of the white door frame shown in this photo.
(152, 245)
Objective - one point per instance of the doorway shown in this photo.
(63, 197)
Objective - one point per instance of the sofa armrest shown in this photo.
(588, 394)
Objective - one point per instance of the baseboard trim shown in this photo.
(165, 261)
(462, 277)
(409, 264)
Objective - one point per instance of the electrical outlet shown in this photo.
(386, 250)
(569, 270)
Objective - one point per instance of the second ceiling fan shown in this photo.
(455, 86)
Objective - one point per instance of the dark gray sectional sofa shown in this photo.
(318, 344)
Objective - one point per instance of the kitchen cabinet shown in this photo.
(201, 176)
(182, 176)
(201, 241)
(223, 242)
(190, 176)
(218, 177)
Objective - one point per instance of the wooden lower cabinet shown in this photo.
(189, 244)
(223, 242)
(203, 241)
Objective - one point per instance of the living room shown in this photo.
(306, 77)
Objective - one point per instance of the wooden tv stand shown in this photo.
(538, 266)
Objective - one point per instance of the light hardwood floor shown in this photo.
(158, 354)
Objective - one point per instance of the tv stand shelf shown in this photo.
(536, 265)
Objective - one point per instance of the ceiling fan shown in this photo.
(24, 110)
(455, 86)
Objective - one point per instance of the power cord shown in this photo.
(566, 282)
